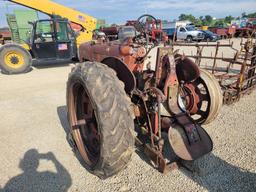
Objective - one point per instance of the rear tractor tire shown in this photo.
(96, 97)
(14, 59)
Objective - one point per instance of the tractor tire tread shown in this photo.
(114, 115)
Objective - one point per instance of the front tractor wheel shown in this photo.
(203, 98)
(100, 118)
(14, 59)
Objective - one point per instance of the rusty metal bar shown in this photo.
(251, 78)
(234, 78)
(214, 60)
(199, 53)
(201, 45)
(226, 59)
(252, 68)
(242, 74)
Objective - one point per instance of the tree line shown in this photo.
(208, 20)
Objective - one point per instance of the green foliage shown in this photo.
(244, 15)
(220, 23)
(182, 17)
(207, 20)
(228, 19)
(189, 17)
(198, 22)
(252, 15)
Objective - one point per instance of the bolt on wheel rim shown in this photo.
(89, 137)
(14, 59)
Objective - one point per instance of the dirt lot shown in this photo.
(35, 155)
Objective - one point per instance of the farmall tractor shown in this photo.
(132, 90)
(153, 27)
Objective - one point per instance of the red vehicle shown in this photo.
(224, 32)
(5, 35)
(153, 26)
(135, 90)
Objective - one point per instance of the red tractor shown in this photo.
(133, 89)
(152, 26)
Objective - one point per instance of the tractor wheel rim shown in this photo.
(197, 99)
(90, 137)
(190, 98)
(14, 59)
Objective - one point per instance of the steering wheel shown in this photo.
(144, 23)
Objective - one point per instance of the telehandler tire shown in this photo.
(100, 118)
(14, 59)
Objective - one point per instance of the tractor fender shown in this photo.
(123, 72)
(186, 69)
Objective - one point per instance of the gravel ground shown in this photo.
(35, 155)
